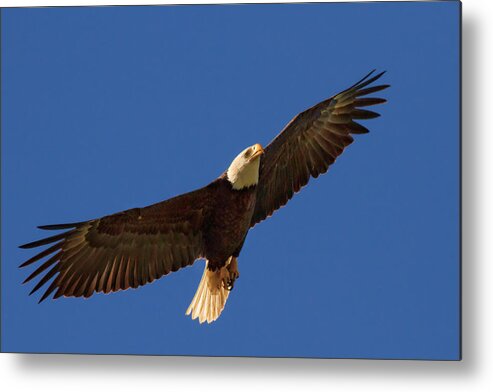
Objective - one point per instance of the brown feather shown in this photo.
(39, 256)
(43, 266)
(45, 279)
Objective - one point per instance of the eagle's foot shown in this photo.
(225, 277)
(233, 274)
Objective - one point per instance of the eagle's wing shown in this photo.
(127, 249)
(310, 143)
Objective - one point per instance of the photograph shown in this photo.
(232, 180)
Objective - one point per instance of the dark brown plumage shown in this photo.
(310, 143)
(135, 247)
(127, 249)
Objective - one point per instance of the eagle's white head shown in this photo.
(243, 171)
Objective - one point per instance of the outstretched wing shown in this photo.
(127, 249)
(310, 143)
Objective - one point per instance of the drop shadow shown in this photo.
(30, 364)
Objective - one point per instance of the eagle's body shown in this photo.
(229, 221)
(135, 247)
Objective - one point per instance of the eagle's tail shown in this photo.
(211, 295)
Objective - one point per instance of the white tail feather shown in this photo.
(208, 301)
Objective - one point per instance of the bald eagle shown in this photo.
(137, 246)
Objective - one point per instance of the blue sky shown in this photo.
(109, 108)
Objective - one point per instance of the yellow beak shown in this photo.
(257, 151)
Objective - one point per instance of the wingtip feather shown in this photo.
(47, 240)
(60, 226)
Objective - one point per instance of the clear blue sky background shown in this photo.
(105, 109)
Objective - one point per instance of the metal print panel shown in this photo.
(241, 180)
